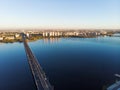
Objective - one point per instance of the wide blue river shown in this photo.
(69, 63)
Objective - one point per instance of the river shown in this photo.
(69, 63)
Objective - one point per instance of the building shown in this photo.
(103, 32)
(51, 34)
(76, 33)
(43, 34)
(27, 34)
(46, 34)
(1, 38)
(17, 35)
(56, 34)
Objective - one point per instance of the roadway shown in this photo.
(40, 79)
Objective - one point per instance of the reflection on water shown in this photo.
(117, 35)
(102, 40)
(50, 40)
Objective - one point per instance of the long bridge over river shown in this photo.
(40, 79)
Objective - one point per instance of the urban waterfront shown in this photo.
(69, 63)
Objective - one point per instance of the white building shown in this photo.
(17, 35)
(104, 32)
(27, 34)
(51, 33)
(59, 33)
(44, 34)
(76, 33)
(1, 38)
(56, 33)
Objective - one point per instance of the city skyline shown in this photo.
(68, 14)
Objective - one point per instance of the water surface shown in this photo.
(69, 63)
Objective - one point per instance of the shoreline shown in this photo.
(32, 39)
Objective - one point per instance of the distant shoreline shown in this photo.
(11, 37)
(35, 39)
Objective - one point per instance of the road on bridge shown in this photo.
(40, 79)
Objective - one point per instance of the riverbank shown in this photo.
(11, 37)
(35, 38)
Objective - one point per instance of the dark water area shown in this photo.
(14, 69)
(69, 63)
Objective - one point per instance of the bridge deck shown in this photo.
(39, 76)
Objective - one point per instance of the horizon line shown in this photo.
(2, 29)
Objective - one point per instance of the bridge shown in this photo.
(39, 76)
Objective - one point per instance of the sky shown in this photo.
(93, 14)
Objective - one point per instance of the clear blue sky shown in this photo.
(60, 13)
